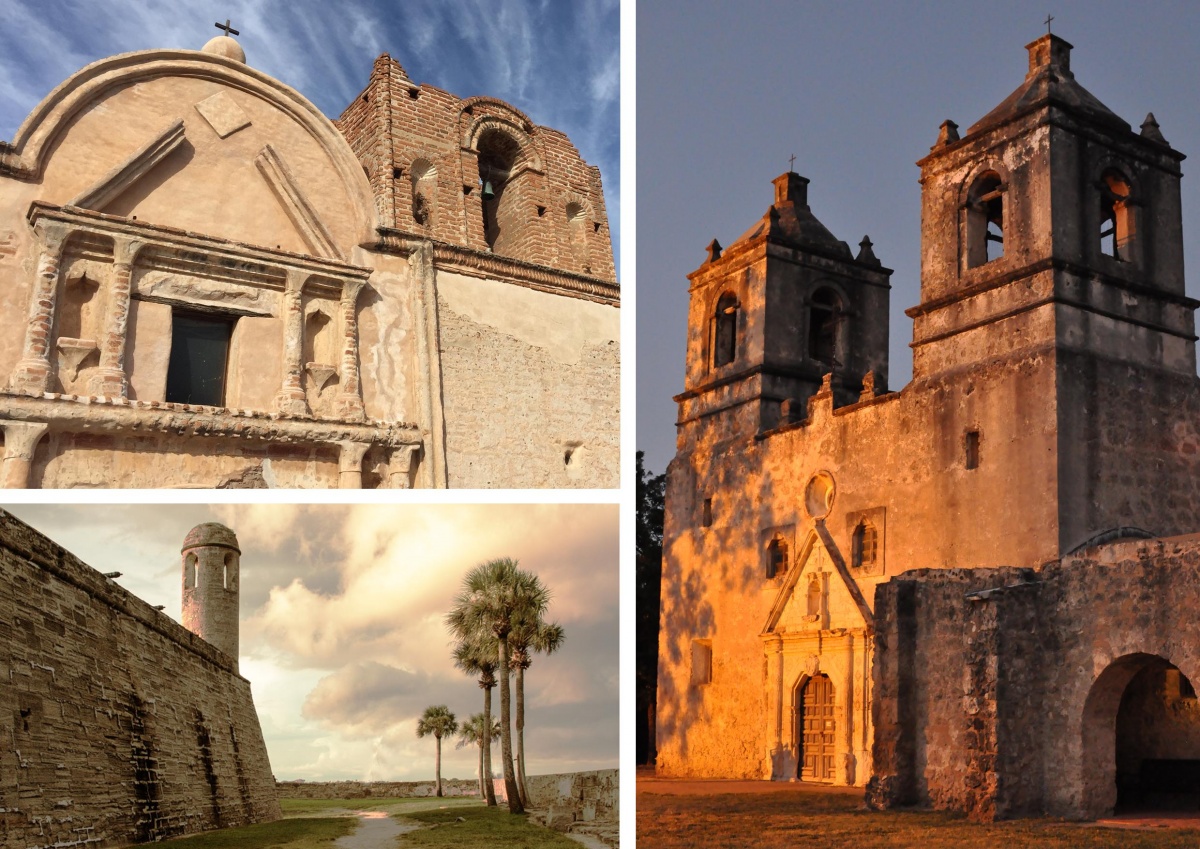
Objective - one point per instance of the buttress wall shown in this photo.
(118, 725)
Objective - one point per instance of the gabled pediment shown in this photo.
(841, 604)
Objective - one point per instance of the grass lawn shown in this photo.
(799, 819)
(494, 828)
(308, 833)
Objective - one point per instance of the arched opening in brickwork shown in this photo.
(502, 219)
(777, 557)
(1116, 216)
(985, 220)
(577, 227)
(1141, 738)
(825, 315)
(816, 728)
(725, 330)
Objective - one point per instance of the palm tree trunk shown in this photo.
(506, 751)
(482, 791)
(489, 792)
(437, 768)
(521, 735)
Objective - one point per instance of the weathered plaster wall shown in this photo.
(119, 725)
(528, 385)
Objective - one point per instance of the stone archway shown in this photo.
(816, 729)
(1141, 738)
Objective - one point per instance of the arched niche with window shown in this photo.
(826, 317)
(725, 330)
(423, 185)
(777, 557)
(502, 222)
(1117, 221)
(814, 597)
(985, 219)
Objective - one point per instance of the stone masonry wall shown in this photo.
(374, 789)
(117, 724)
(576, 796)
(997, 690)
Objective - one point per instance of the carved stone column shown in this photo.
(32, 373)
(400, 467)
(350, 464)
(349, 404)
(290, 399)
(20, 441)
(110, 378)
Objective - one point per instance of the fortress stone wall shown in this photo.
(117, 725)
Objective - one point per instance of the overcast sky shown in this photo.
(342, 609)
(726, 92)
(558, 62)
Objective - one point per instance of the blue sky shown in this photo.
(726, 92)
(342, 631)
(558, 62)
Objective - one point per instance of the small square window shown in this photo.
(199, 358)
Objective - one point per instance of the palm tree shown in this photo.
(493, 596)
(473, 732)
(530, 634)
(477, 656)
(440, 722)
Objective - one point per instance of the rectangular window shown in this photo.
(199, 358)
(706, 519)
(971, 461)
(701, 662)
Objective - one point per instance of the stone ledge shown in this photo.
(107, 414)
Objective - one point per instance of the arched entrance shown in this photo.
(1141, 738)
(815, 729)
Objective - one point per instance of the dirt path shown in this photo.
(376, 830)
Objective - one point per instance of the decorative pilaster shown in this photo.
(350, 464)
(32, 373)
(20, 441)
(290, 399)
(349, 404)
(110, 378)
(400, 467)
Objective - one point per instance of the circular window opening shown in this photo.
(818, 495)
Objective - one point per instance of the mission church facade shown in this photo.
(970, 592)
(209, 283)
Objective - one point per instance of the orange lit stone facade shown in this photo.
(1053, 406)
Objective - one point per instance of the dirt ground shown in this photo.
(674, 814)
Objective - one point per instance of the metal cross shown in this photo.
(228, 29)
(792, 163)
(1049, 18)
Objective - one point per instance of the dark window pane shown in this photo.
(199, 352)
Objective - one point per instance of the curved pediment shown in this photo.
(198, 142)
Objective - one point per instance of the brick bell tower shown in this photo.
(771, 315)
(211, 565)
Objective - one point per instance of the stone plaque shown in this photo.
(222, 114)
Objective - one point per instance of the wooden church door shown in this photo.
(817, 727)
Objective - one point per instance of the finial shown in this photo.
(1049, 18)
(714, 251)
(792, 163)
(865, 254)
(228, 30)
(225, 45)
(947, 134)
(1151, 131)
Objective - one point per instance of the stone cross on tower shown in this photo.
(227, 28)
(1049, 18)
(792, 163)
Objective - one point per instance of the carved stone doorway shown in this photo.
(815, 729)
